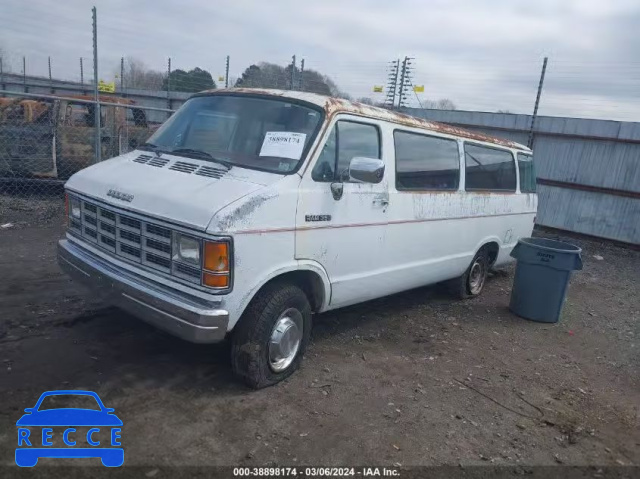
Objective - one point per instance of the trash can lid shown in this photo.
(551, 245)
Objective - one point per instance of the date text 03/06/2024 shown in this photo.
(316, 472)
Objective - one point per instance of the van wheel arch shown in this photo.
(307, 280)
(492, 248)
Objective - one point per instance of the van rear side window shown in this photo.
(426, 162)
(527, 173)
(489, 169)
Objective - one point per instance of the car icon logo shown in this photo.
(90, 431)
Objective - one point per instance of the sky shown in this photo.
(483, 55)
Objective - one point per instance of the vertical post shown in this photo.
(226, 74)
(402, 80)
(301, 75)
(81, 75)
(293, 73)
(169, 83)
(96, 109)
(122, 76)
(1, 75)
(50, 78)
(535, 108)
(24, 74)
(392, 83)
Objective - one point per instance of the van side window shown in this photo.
(527, 173)
(347, 140)
(426, 162)
(489, 168)
(324, 170)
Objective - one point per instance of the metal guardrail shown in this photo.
(80, 100)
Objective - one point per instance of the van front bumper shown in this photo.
(182, 315)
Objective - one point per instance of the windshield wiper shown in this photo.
(151, 147)
(201, 154)
(148, 147)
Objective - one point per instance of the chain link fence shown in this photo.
(44, 139)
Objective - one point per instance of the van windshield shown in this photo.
(265, 134)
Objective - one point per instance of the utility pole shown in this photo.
(1, 75)
(226, 74)
(122, 76)
(50, 78)
(301, 75)
(392, 83)
(405, 81)
(81, 76)
(169, 83)
(24, 74)
(96, 109)
(535, 108)
(293, 73)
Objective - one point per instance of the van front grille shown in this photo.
(124, 236)
(134, 240)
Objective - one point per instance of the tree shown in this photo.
(265, 75)
(270, 75)
(137, 75)
(6, 66)
(366, 100)
(445, 104)
(192, 81)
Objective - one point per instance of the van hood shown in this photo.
(174, 188)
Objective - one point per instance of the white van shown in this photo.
(249, 210)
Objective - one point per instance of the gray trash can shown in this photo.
(542, 276)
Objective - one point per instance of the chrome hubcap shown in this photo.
(286, 337)
(476, 277)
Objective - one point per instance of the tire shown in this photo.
(472, 282)
(254, 358)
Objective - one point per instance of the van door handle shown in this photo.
(383, 202)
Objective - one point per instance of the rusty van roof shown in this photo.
(333, 105)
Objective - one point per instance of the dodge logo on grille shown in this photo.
(119, 195)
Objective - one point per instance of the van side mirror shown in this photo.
(366, 170)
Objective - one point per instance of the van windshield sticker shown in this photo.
(283, 144)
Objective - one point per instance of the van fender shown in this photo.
(298, 265)
(486, 240)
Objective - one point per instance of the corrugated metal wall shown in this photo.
(588, 170)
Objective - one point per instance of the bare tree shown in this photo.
(6, 65)
(137, 75)
(366, 100)
(445, 104)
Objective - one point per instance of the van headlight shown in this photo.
(74, 208)
(186, 249)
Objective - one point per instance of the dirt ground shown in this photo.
(412, 379)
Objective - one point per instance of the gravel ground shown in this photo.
(412, 379)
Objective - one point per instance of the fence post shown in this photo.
(226, 74)
(96, 109)
(50, 78)
(535, 108)
(300, 85)
(24, 74)
(169, 83)
(122, 77)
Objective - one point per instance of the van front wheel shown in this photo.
(472, 282)
(270, 339)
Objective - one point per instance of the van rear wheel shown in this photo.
(472, 282)
(271, 337)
